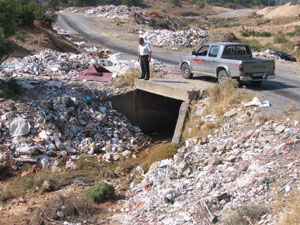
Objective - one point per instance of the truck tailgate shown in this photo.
(258, 66)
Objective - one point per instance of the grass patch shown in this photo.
(100, 192)
(186, 22)
(228, 25)
(246, 215)
(295, 33)
(288, 209)
(88, 170)
(280, 38)
(256, 34)
(221, 97)
(156, 153)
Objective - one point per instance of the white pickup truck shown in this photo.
(223, 60)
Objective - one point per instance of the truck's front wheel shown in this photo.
(222, 76)
(186, 72)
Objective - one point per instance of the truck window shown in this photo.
(203, 50)
(214, 50)
(235, 51)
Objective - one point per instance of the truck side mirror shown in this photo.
(194, 53)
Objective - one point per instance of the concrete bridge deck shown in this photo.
(185, 90)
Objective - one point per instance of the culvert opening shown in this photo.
(156, 115)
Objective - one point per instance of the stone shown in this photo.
(126, 153)
(214, 161)
(19, 127)
(230, 113)
(279, 129)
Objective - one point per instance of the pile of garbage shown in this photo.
(57, 116)
(55, 120)
(272, 54)
(112, 11)
(241, 165)
(66, 66)
(167, 38)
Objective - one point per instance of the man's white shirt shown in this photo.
(144, 49)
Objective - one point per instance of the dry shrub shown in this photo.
(127, 78)
(75, 208)
(225, 96)
(156, 153)
(289, 209)
(221, 97)
(246, 215)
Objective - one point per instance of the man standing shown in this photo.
(144, 57)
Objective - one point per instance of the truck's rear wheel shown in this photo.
(256, 83)
(186, 72)
(222, 76)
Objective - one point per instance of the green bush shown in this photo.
(254, 43)
(200, 3)
(100, 192)
(26, 15)
(161, 23)
(256, 34)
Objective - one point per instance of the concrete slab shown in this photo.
(185, 90)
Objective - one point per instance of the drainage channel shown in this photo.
(156, 115)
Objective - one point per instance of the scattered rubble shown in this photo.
(241, 164)
(167, 38)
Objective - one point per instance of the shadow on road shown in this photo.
(270, 86)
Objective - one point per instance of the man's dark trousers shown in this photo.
(145, 67)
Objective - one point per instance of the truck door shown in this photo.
(201, 59)
(212, 63)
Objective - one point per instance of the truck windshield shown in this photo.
(236, 51)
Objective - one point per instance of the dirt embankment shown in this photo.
(33, 40)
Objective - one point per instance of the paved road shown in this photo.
(281, 92)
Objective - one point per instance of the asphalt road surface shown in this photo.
(281, 92)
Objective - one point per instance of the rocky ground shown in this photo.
(247, 163)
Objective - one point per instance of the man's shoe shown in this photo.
(141, 77)
(146, 78)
